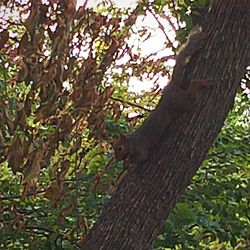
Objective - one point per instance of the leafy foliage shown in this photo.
(64, 93)
(214, 213)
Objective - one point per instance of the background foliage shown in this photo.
(65, 79)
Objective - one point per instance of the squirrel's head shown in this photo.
(120, 148)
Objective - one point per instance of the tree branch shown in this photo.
(130, 103)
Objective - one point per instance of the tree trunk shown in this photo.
(135, 214)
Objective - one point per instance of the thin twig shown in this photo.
(163, 15)
(162, 29)
(46, 231)
(130, 103)
(175, 14)
(19, 196)
(77, 193)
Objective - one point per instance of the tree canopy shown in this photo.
(65, 93)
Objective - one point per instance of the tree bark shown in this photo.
(135, 214)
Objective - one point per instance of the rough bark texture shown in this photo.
(135, 214)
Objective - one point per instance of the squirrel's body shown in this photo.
(136, 147)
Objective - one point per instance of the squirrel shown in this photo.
(134, 148)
